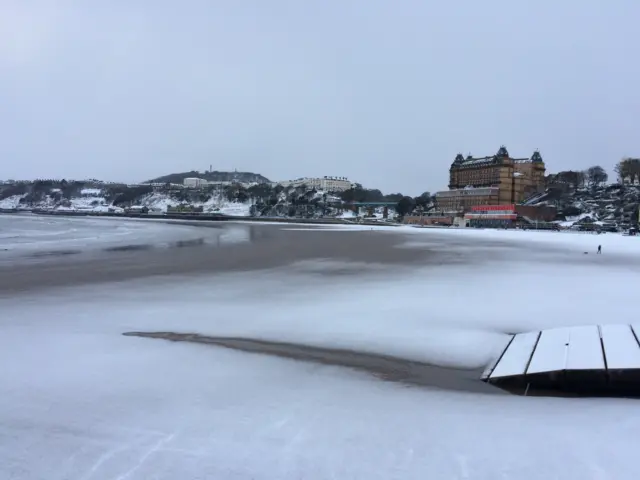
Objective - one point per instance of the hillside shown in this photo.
(234, 199)
(614, 204)
(214, 176)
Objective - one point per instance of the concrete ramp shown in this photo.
(593, 360)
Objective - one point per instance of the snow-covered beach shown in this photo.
(81, 400)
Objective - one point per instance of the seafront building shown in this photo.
(193, 182)
(327, 184)
(491, 191)
(492, 180)
(489, 216)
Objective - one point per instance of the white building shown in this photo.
(327, 184)
(193, 182)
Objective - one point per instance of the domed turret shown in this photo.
(459, 159)
(536, 157)
(502, 152)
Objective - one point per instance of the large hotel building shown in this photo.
(494, 180)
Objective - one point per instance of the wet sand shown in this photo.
(263, 247)
(267, 246)
(384, 367)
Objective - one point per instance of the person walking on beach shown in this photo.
(599, 249)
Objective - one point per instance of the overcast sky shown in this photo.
(383, 92)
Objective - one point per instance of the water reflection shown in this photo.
(236, 234)
(208, 236)
(128, 248)
(55, 253)
(188, 243)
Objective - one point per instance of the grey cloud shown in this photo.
(383, 92)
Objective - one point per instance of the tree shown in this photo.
(260, 190)
(242, 195)
(348, 195)
(621, 171)
(405, 206)
(596, 175)
(394, 197)
(634, 168)
(121, 195)
(11, 190)
(423, 200)
(359, 194)
(571, 178)
(628, 169)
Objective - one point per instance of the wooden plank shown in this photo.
(516, 356)
(620, 347)
(487, 371)
(551, 353)
(635, 328)
(585, 349)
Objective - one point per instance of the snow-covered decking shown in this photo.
(584, 351)
(620, 346)
(551, 352)
(516, 357)
(592, 348)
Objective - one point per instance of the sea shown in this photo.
(27, 237)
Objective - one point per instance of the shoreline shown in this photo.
(200, 217)
(388, 368)
(258, 247)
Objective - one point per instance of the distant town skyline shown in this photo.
(383, 93)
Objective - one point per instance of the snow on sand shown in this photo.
(82, 401)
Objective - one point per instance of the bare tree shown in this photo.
(628, 169)
(571, 178)
(596, 175)
(621, 170)
(634, 167)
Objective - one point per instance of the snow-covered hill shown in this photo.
(94, 201)
(234, 200)
(160, 202)
(612, 204)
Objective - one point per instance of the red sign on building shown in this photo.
(492, 212)
(491, 216)
(492, 208)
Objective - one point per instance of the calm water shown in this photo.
(33, 237)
